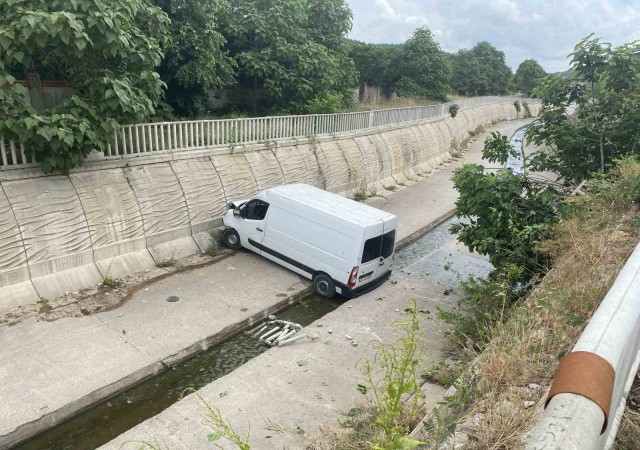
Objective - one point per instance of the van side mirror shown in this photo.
(236, 212)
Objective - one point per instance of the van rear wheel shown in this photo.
(231, 239)
(324, 286)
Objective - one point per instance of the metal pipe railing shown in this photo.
(149, 138)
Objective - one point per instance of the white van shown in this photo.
(344, 246)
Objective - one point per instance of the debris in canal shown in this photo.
(280, 332)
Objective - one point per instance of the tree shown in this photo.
(107, 50)
(527, 76)
(376, 63)
(467, 77)
(590, 118)
(493, 65)
(292, 48)
(424, 67)
(480, 71)
(194, 61)
(506, 216)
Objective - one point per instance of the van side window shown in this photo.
(256, 210)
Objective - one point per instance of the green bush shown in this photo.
(453, 110)
(506, 216)
(333, 103)
(517, 105)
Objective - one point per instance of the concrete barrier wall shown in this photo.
(111, 218)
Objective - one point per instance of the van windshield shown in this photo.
(379, 246)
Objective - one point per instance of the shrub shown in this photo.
(331, 104)
(517, 105)
(453, 109)
(506, 216)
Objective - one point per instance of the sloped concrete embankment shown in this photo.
(116, 217)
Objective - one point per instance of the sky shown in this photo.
(546, 30)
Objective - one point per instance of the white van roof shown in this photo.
(333, 204)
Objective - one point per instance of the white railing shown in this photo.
(144, 139)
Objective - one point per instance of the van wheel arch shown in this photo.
(323, 285)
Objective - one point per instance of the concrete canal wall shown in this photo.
(115, 217)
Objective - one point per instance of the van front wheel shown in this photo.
(231, 239)
(324, 286)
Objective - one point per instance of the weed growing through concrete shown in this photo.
(214, 247)
(166, 263)
(221, 428)
(44, 305)
(363, 192)
(171, 262)
(396, 391)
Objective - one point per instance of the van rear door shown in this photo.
(371, 254)
(388, 246)
(377, 254)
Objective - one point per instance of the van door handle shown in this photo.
(381, 263)
(259, 229)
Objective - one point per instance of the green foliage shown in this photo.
(507, 216)
(616, 190)
(424, 67)
(590, 118)
(195, 61)
(107, 50)
(397, 392)
(498, 149)
(221, 428)
(376, 63)
(331, 104)
(294, 50)
(453, 110)
(527, 111)
(529, 73)
(407, 88)
(517, 106)
(480, 71)
(467, 77)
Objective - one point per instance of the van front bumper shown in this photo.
(365, 288)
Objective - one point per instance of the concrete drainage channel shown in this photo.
(108, 419)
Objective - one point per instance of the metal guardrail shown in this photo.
(148, 138)
(590, 388)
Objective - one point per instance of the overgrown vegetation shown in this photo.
(590, 118)
(393, 379)
(214, 246)
(511, 342)
(107, 51)
(515, 325)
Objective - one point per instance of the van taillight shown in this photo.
(353, 277)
